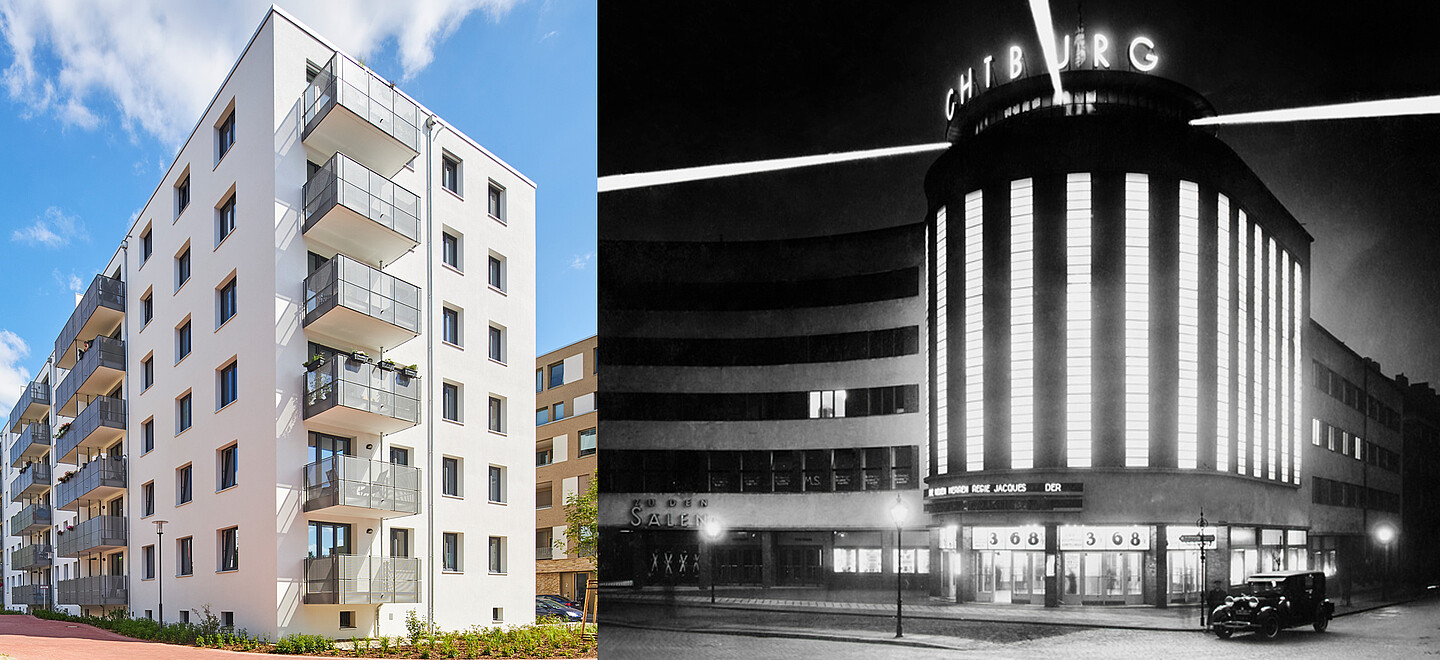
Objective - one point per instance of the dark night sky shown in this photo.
(685, 84)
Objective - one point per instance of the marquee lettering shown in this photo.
(1140, 53)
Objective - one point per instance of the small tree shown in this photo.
(581, 522)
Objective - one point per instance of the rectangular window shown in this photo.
(182, 418)
(1189, 331)
(539, 380)
(450, 325)
(148, 553)
(147, 499)
(450, 551)
(399, 456)
(147, 372)
(450, 249)
(147, 436)
(497, 202)
(185, 614)
(544, 455)
(182, 269)
(225, 220)
(229, 549)
(399, 542)
(497, 415)
(1242, 351)
(497, 273)
(450, 402)
(542, 416)
(347, 619)
(184, 562)
(1298, 376)
(1137, 320)
(147, 308)
(450, 476)
(497, 484)
(183, 493)
(974, 332)
(557, 374)
(225, 134)
(227, 302)
(545, 496)
(182, 341)
(942, 343)
(147, 246)
(587, 442)
(497, 554)
(1224, 281)
(227, 619)
(228, 467)
(1078, 304)
(229, 384)
(497, 344)
(450, 174)
(1022, 325)
(182, 195)
(560, 411)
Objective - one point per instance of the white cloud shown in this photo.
(582, 260)
(13, 376)
(71, 281)
(53, 229)
(157, 62)
(552, 33)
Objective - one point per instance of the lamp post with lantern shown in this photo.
(899, 512)
(713, 529)
(1385, 534)
(160, 566)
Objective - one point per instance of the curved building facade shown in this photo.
(1116, 319)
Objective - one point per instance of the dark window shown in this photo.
(450, 476)
(225, 220)
(147, 433)
(557, 374)
(497, 202)
(450, 174)
(399, 542)
(497, 554)
(329, 539)
(230, 549)
(450, 249)
(497, 416)
(742, 296)
(147, 499)
(229, 384)
(183, 492)
(399, 456)
(182, 269)
(228, 301)
(182, 195)
(497, 484)
(228, 467)
(183, 342)
(147, 246)
(147, 309)
(147, 372)
(497, 344)
(227, 619)
(801, 349)
(450, 325)
(184, 562)
(149, 571)
(226, 134)
(450, 542)
(347, 618)
(754, 406)
(496, 274)
(779, 471)
(450, 402)
(183, 418)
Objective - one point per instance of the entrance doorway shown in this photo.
(1010, 576)
(800, 565)
(1102, 578)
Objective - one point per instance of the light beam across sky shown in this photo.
(666, 177)
(1418, 105)
(1045, 30)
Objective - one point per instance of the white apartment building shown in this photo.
(314, 345)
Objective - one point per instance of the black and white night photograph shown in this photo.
(1098, 328)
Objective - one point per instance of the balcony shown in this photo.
(98, 371)
(32, 405)
(357, 396)
(34, 595)
(97, 534)
(31, 444)
(100, 311)
(355, 210)
(361, 306)
(93, 590)
(31, 556)
(98, 426)
(34, 480)
(350, 109)
(362, 488)
(33, 518)
(96, 480)
(361, 580)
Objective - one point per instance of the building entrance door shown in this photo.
(800, 564)
(1185, 583)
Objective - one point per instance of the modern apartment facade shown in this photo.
(565, 459)
(325, 253)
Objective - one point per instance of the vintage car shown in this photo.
(1275, 600)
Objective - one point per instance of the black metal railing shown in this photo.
(36, 515)
(103, 292)
(346, 83)
(96, 474)
(35, 393)
(34, 595)
(37, 434)
(34, 555)
(93, 590)
(97, 532)
(347, 183)
(361, 579)
(103, 352)
(103, 412)
(33, 479)
(362, 482)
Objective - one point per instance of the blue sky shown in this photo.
(94, 104)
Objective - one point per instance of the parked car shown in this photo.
(565, 613)
(556, 598)
(1271, 601)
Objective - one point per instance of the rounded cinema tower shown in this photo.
(1116, 309)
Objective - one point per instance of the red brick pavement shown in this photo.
(28, 638)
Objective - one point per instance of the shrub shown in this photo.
(297, 643)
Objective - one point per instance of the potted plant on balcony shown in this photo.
(60, 432)
(386, 364)
(411, 371)
(360, 356)
(316, 361)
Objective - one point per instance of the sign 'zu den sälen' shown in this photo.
(1074, 54)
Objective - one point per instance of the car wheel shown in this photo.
(1322, 621)
(1222, 633)
(1270, 628)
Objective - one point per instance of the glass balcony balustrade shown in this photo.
(361, 580)
(34, 595)
(99, 425)
(98, 371)
(96, 480)
(34, 518)
(353, 395)
(348, 301)
(100, 311)
(31, 556)
(352, 209)
(362, 487)
(97, 534)
(93, 590)
(31, 444)
(32, 481)
(32, 406)
(348, 108)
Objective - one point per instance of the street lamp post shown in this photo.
(1385, 534)
(713, 529)
(159, 565)
(899, 513)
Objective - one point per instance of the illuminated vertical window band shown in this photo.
(1078, 310)
(974, 333)
(1137, 320)
(1022, 325)
(1257, 353)
(1298, 370)
(1272, 360)
(942, 352)
(1287, 434)
(1189, 385)
(1242, 345)
(1222, 334)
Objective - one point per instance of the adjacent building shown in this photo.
(565, 459)
(312, 343)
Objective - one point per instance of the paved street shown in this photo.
(1399, 631)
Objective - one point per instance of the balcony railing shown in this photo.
(31, 444)
(32, 405)
(34, 555)
(358, 212)
(100, 311)
(350, 109)
(33, 480)
(362, 579)
(363, 487)
(98, 371)
(358, 396)
(93, 590)
(97, 534)
(34, 595)
(359, 305)
(33, 518)
(99, 425)
(98, 479)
